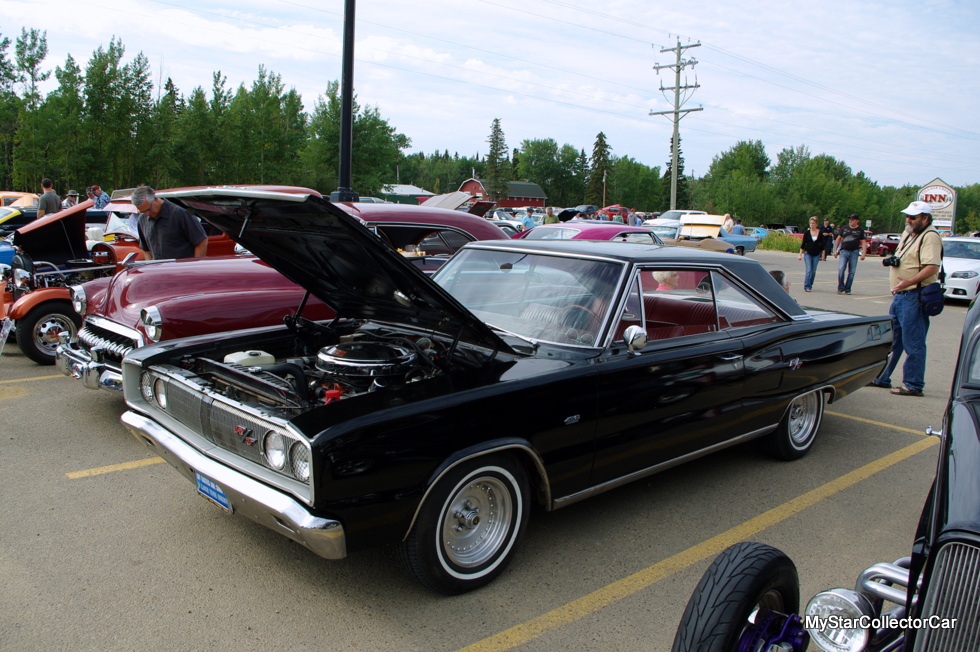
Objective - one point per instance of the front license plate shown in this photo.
(210, 490)
(5, 327)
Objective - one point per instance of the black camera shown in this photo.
(891, 261)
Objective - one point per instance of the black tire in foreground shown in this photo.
(37, 332)
(469, 525)
(743, 583)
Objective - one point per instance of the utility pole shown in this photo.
(343, 193)
(677, 111)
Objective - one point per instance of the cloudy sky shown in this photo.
(889, 87)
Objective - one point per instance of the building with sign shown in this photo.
(942, 198)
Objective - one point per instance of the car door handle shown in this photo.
(730, 357)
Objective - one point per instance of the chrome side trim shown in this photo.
(657, 468)
(545, 485)
(267, 506)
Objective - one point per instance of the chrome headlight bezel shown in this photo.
(844, 611)
(274, 449)
(152, 323)
(79, 302)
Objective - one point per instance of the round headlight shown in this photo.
(78, 299)
(274, 447)
(299, 459)
(146, 387)
(152, 323)
(838, 620)
(160, 393)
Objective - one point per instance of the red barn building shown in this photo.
(520, 193)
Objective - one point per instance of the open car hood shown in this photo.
(332, 254)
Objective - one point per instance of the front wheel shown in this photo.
(469, 526)
(794, 436)
(37, 332)
(744, 587)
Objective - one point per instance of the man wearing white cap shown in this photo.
(920, 255)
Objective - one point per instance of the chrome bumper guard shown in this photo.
(247, 497)
(89, 367)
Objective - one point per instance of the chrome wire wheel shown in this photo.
(477, 522)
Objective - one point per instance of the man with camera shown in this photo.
(914, 266)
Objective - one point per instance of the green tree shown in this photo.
(66, 107)
(633, 184)
(32, 139)
(498, 170)
(683, 184)
(599, 167)
(375, 146)
(10, 106)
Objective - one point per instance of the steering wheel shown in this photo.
(573, 316)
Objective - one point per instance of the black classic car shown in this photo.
(749, 597)
(433, 412)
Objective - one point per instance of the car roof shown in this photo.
(479, 227)
(750, 271)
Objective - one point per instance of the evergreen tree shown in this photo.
(32, 140)
(599, 167)
(683, 186)
(498, 170)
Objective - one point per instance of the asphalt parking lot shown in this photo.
(104, 547)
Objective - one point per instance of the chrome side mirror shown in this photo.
(635, 337)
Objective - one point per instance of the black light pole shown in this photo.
(344, 192)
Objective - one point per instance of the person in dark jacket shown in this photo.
(811, 251)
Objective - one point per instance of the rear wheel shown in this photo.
(469, 526)
(743, 587)
(794, 436)
(37, 332)
(740, 251)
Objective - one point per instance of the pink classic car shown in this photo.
(153, 301)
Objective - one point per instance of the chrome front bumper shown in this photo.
(248, 497)
(89, 367)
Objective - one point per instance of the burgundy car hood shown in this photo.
(321, 248)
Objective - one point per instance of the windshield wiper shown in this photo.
(533, 344)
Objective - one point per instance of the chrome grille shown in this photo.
(223, 421)
(185, 405)
(954, 592)
(116, 346)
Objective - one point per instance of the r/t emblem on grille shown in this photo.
(245, 434)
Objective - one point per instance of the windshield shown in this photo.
(536, 296)
(552, 233)
(961, 249)
(665, 231)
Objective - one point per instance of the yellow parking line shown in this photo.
(74, 475)
(881, 296)
(607, 595)
(24, 380)
(878, 423)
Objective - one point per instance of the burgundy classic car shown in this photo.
(147, 302)
(57, 251)
(884, 244)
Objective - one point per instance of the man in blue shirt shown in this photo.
(101, 198)
(738, 229)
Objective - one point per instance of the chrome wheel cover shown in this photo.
(477, 521)
(46, 331)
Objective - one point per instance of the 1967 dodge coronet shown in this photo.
(433, 412)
